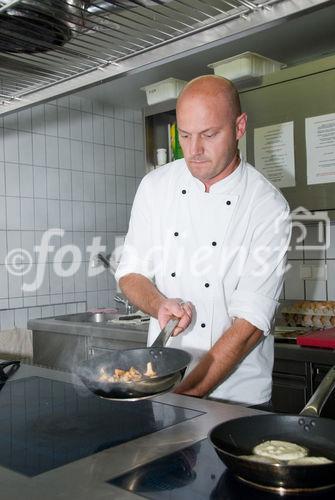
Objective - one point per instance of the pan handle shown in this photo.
(315, 404)
(165, 334)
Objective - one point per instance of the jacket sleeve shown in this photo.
(255, 298)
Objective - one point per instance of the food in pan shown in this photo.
(258, 458)
(282, 450)
(127, 376)
(310, 461)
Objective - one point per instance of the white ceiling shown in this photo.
(297, 40)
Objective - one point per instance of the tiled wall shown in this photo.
(297, 288)
(71, 164)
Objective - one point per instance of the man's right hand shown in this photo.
(177, 308)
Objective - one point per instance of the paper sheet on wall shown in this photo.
(320, 148)
(274, 153)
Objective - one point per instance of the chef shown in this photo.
(207, 242)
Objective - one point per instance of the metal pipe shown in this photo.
(9, 5)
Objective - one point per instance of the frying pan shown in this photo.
(169, 364)
(238, 437)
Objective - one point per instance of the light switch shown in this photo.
(305, 272)
(319, 272)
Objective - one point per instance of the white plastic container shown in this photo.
(163, 90)
(245, 65)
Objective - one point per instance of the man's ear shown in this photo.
(241, 125)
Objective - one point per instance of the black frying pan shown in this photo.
(238, 437)
(169, 364)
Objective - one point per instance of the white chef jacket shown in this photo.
(224, 251)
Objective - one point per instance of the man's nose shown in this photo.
(196, 146)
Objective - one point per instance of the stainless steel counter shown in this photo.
(87, 478)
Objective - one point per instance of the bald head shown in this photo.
(212, 86)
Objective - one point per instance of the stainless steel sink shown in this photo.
(97, 318)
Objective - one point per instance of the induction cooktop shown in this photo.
(46, 423)
(196, 473)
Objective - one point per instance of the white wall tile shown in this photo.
(64, 153)
(28, 243)
(11, 121)
(120, 189)
(39, 157)
(13, 213)
(109, 160)
(138, 116)
(331, 279)
(120, 165)
(111, 217)
(331, 250)
(65, 184)
(88, 161)
(87, 127)
(3, 282)
(12, 179)
(29, 301)
(139, 136)
(312, 238)
(119, 133)
(89, 216)
(98, 129)
(316, 290)
(14, 303)
(26, 181)
(40, 182)
(6, 320)
(294, 285)
(130, 189)
(41, 219)
(88, 186)
(76, 155)
(52, 183)
(38, 119)
(139, 164)
(27, 214)
(20, 318)
(47, 311)
(2, 179)
(24, 120)
(14, 286)
(60, 309)
(78, 216)
(121, 218)
(75, 124)
(56, 283)
(100, 187)
(63, 122)
(129, 134)
(130, 163)
(80, 280)
(99, 157)
(53, 213)
(51, 120)
(3, 215)
(110, 189)
(25, 147)
(2, 146)
(11, 146)
(75, 102)
(77, 186)
(119, 112)
(34, 312)
(100, 216)
(52, 159)
(109, 131)
(3, 246)
(66, 215)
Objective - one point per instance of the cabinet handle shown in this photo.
(91, 351)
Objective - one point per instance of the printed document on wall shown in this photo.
(274, 153)
(320, 148)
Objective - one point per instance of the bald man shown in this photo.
(207, 242)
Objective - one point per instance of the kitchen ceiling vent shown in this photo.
(52, 47)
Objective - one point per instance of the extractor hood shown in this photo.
(52, 47)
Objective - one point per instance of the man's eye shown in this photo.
(212, 134)
(183, 136)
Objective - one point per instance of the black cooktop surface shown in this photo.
(196, 473)
(47, 423)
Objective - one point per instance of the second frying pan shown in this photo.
(168, 363)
